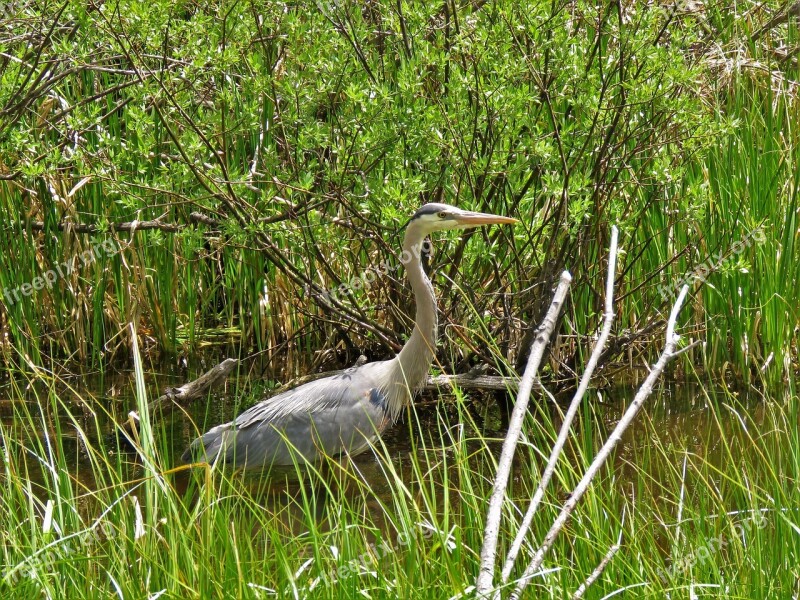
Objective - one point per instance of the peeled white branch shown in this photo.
(579, 593)
(485, 583)
(571, 411)
(644, 392)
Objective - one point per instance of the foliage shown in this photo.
(279, 148)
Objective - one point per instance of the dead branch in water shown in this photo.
(602, 455)
(165, 404)
(494, 514)
(485, 586)
(608, 320)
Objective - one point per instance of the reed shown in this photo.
(700, 495)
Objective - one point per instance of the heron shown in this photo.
(345, 413)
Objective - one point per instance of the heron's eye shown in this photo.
(443, 215)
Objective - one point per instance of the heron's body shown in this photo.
(346, 412)
(328, 416)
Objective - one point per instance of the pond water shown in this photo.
(90, 404)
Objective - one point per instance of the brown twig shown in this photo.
(127, 226)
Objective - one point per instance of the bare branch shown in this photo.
(485, 582)
(571, 411)
(596, 573)
(127, 226)
(630, 414)
(183, 395)
(602, 565)
(468, 381)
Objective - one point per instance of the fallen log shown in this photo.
(467, 381)
(166, 403)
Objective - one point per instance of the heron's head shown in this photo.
(440, 217)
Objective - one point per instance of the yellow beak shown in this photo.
(476, 218)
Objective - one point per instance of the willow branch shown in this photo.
(630, 414)
(485, 579)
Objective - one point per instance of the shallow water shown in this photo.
(89, 405)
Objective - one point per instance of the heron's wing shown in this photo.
(328, 416)
(310, 397)
(347, 427)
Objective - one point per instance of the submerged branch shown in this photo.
(165, 404)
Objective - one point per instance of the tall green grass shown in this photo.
(703, 492)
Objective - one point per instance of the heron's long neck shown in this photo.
(417, 355)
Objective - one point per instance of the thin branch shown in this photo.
(571, 411)
(596, 573)
(630, 414)
(484, 583)
(602, 565)
(91, 228)
(781, 17)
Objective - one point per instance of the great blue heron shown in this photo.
(346, 412)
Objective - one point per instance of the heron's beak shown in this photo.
(473, 219)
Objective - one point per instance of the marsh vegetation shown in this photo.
(231, 179)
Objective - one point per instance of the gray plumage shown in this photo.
(346, 412)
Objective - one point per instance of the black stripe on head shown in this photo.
(429, 209)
